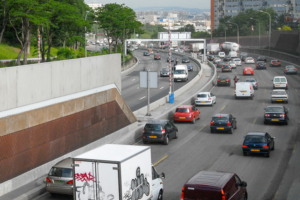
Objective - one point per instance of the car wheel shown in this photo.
(212, 104)
(287, 88)
(273, 148)
(286, 122)
(231, 131)
(286, 102)
(245, 153)
(265, 122)
(212, 130)
(235, 126)
(144, 142)
(166, 141)
(268, 154)
(194, 120)
(176, 136)
(53, 194)
(160, 196)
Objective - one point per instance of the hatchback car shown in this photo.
(262, 58)
(190, 67)
(146, 53)
(210, 57)
(222, 123)
(223, 80)
(275, 63)
(157, 56)
(205, 98)
(227, 58)
(186, 113)
(261, 65)
(216, 60)
(220, 64)
(226, 68)
(248, 71)
(232, 64)
(249, 60)
(290, 69)
(258, 142)
(185, 60)
(276, 114)
(150, 50)
(159, 131)
(253, 81)
(237, 61)
(172, 59)
(279, 96)
(164, 72)
(60, 178)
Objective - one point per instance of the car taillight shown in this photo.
(287, 69)
(296, 69)
(223, 195)
(250, 87)
(218, 80)
(265, 147)
(48, 180)
(267, 115)
(282, 115)
(255, 84)
(257, 65)
(272, 63)
(222, 67)
(220, 117)
(286, 85)
(209, 98)
(227, 79)
(245, 146)
(230, 67)
(70, 182)
(182, 193)
(144, 131)
(254, 60)
(211, 123)
(163, 131)
(228, 123)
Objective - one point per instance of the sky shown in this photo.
(200, 4)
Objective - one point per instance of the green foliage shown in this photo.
(200, 34)
(286, 28)
(187, 28)
(66, 53)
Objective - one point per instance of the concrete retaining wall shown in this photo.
(29, 84)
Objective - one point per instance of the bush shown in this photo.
(65, 53)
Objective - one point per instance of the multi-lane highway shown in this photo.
(197, 149)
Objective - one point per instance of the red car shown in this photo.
(150, 50)
(275, 63)
(186, 113)
(248, 71)
(156, 56)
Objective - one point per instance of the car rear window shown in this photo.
(277, 79)
(282, 79)
(179, 72)
(274, 109)
(290, 67)
(279, 92)
(61, 172)
(250, 80)
(153, 127)
(183, 110)
(255, 139)
(202, 95)
(219, 119)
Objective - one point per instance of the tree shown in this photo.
(5, 7)
(187, 28)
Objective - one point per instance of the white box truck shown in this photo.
(196, 47)
(118, 172)
(181, 73)
(213, 48)
(244, 90)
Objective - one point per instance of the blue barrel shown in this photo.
(171, 98)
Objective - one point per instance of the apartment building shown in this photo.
(221, 8)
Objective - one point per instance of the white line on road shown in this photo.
(142, 97)
(161, 88)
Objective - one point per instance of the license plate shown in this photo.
(256, 150)
(203, 101)
(222, 81)
(279, 100)
(60, 182)
(221, 128)
(248, 73)
(152, 136)
(275, 119)
(181, 117)
(243, 91)
(277, 85)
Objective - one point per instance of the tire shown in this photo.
(144, 142)
(235, 126)
(194, 120)
(212, 104)
(287, 88)
(231, 131)
(211, 130)
(160, 196)
(286, 123)
(176, 136)
(273, 148)
(166, 141)
(268, 154)
(265, 122)
(245, 154)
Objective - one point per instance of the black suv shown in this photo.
(262, 58)
(159, 131)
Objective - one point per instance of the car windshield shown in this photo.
(250, 80)
(255, 139)
(61, 172)
(153, 127)
(183, 110)
(220, 119)
(202, 95)
(279, 92)
(179, 72)
(274, 109)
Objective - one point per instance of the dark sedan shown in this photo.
(220, 64)
(275, 63)
(258, 142)
(172, 59)
(276, 114)
(227, 58)
(159, 131)
(146, 53)
(189, 67)
(222, 123)
(211, 57)
(243, 57)
(185, 60)
(223, 80)
(290, 69)
(262, 58)
(226, 68)
(261, 65)
(164, 72)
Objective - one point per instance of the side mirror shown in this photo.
(243, 184)
(163, 175)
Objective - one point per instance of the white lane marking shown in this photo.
(142, 97)
(133, 79)
(161, 88)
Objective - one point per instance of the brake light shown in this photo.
(182, 193)
(227, 79)
(70, 182)
(250, 87)
(220, 117)
(255, 84)
(218, 80)
(265, 147)
(222, 67)
(282, 115)
(287, 69)
(228, 123)
(245, 146)
(48, 180)
(267, 115)
(254, 60)
(257, 65)
(296, 69)
(209, 98)
(286, 85)
(272, 63)
(211, 123)
(144, 131)
(163, 131)
(223, 195)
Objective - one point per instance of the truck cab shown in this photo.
(157, 185)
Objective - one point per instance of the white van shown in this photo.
(233, 54)
(280, 82)
(181, 73)
(244, 90)
(221, 54)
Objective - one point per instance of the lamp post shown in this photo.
(258, 30)
(238, 32)
(85, 34)
(269, 29)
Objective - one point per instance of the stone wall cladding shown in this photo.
(30, 139)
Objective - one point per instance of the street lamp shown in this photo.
(269, 28)
(258, 30)
(238, 32)
(85, 34)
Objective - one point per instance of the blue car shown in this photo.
(261, 65)
(189, 67)
(146, 53)
(290, 69)
(258, 142)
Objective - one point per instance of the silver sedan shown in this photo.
(232, 64)
(279, 96)
(249, 60)
(237, 61)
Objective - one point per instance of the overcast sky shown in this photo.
(201, 4)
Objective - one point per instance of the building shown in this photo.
(221, 8)
(95, 5)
